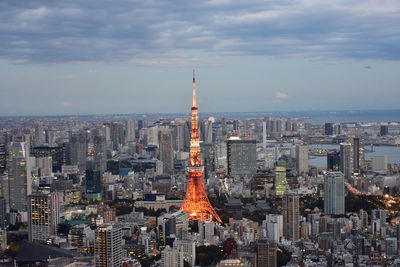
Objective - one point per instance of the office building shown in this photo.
(130, 130)
(58, 156)
(357, 143)
(334, 193)
(206, 231)
(108, 246)
(3, 154)
(333, 161)
(329, 128)
(302, 159)
(280, 181)
(166, 151)
(100, 153)
(93, 177)
(188, 247)
(291, 216)
(241, 155)
(207, 153)
(346, 160)
(384, 130)
(266, 253)
(379, 163)
(39, 221)
(3, 212)
(171, 257)
(45, 166)
(19, 180)
(56, 203)
(78, 150)
(40, 135)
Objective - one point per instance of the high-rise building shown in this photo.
(40, 135)
(166, 151)
(3, 213)
(57, 154)
(280, 181)
(302, 158)
(346, 160)
(100, 153)
(266, 253)
(39, 217)
(188, 247)
(93, 178)
(291, 216)
(78, 150)
(206, 231)
(358, 153)
(334, 193)
(56, 203)
(328, 128)
(108, 246)
(19, 180)
(130, 130)
(384, 130)
(166, 226)
(3, 154)
(208, 156)
(333, 161)
(45, 166)
(242, 157)
(171, 257)
(117, 135)
(379, 163)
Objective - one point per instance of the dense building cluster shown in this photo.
(107, 191)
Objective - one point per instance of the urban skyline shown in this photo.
(289, 156)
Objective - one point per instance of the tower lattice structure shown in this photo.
(196, 202)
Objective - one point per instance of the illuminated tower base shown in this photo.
(196, 202)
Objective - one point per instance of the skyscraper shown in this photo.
(19, 180)
(40, 136)
(334, 193)
(166, 151)
(346, 160)
(301, 158)
(39, 217)
(3, 154)
(130, 130)
(108, 246)
(242, 157)
(358, 153)
(78, 150)
(328, 128)
(291, 216)
(333, 161)
(100, 153)
(280, 181)
(384, 130)
(93, 178)
(266, 253)
(208, 156)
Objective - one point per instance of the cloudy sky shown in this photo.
(134, 56)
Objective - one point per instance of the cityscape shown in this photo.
(215, 133)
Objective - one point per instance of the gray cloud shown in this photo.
(183, 32)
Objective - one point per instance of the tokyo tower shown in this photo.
(196, 202)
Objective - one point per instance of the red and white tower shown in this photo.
(196, 202)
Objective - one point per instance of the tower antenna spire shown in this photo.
(194, 101)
